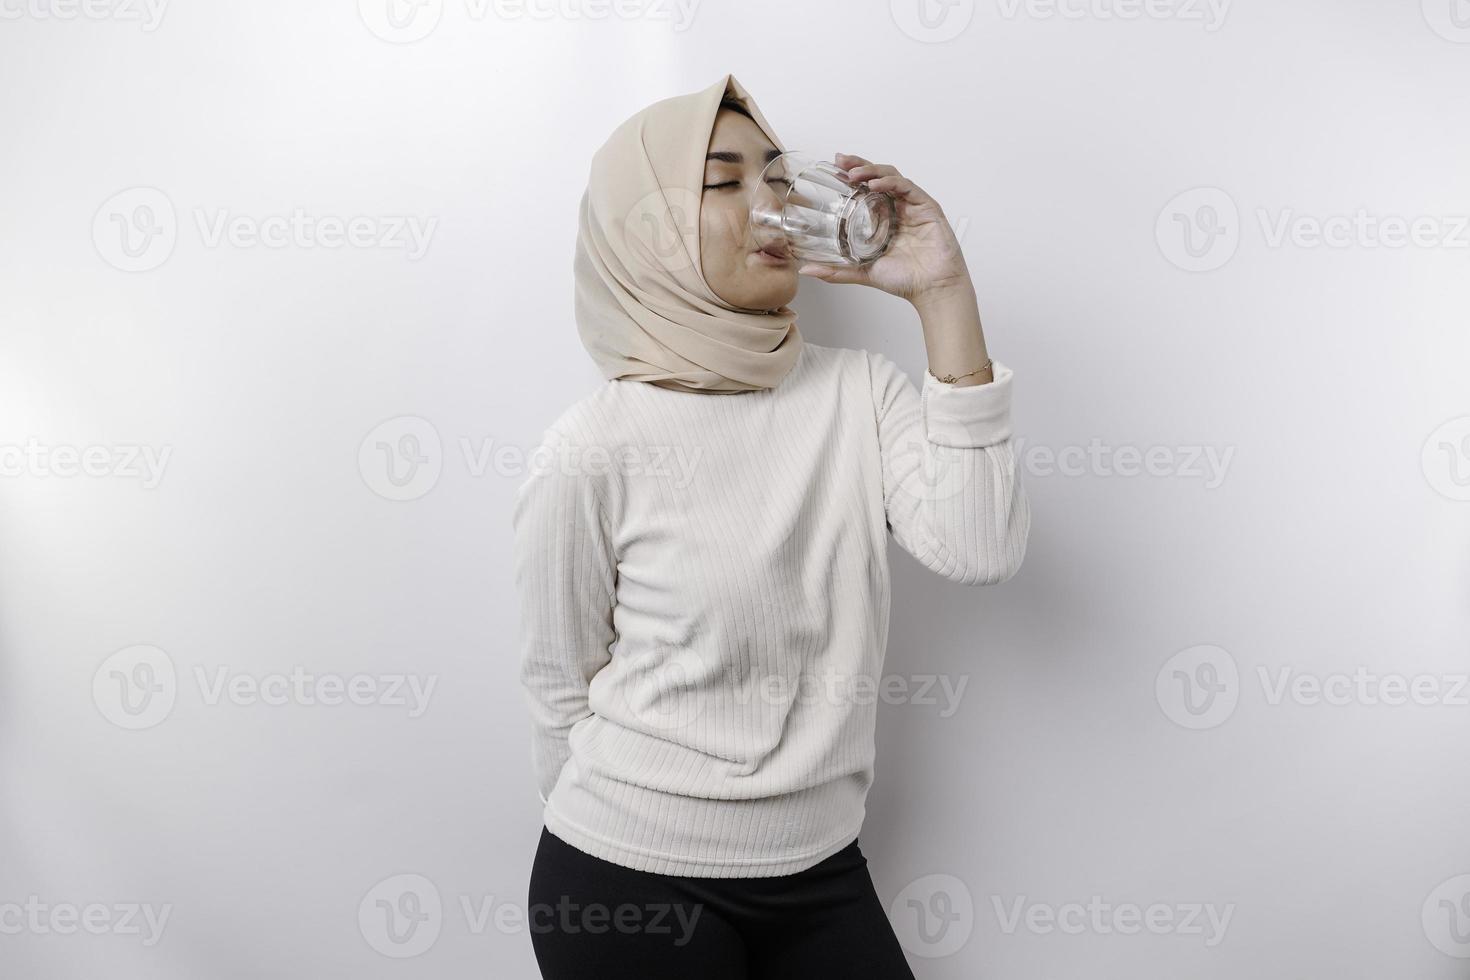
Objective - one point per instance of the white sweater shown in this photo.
(704, 586)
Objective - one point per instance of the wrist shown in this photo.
(943, 293)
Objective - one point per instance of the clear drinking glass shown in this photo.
(807, 208)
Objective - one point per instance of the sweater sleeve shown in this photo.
(565, 576)
(952, 493)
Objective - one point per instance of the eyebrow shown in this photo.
(730, 156)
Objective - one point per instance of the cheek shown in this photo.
(722, 226)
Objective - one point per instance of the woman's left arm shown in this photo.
(952, 492)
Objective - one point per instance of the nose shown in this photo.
(765, 217)
(765, 196)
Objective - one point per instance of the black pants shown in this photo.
(592, 918)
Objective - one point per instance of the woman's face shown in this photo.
(735, 268)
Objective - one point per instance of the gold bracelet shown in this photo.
(950, 379)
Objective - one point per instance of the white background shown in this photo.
(1329, 382)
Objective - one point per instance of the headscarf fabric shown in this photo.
(644, 310)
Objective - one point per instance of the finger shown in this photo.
(871, 170)
(900, 186)
(856, 168)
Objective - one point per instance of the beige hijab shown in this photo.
(644, 310)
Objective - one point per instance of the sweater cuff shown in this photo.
(969, 416)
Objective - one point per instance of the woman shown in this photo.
(706, 543)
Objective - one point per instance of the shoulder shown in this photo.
(821, 356)
(871, 370)
(856, 363)
(573, 447)
(593, 419)
(871, 377)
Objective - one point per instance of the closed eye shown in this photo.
(736, 183)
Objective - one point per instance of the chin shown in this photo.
(777, 290)
(758, 289)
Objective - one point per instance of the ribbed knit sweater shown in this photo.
(704, 597)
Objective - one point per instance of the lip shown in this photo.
(771, 258)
